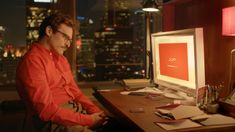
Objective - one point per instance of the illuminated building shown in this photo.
(36, 11)
(117, 57)
(8, 63)
(2, 38)
(139, 38)
(116, 13)
(118, 53)
(85, 51)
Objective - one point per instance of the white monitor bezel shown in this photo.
(194, 39)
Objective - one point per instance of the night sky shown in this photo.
(12, 16)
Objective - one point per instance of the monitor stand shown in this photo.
(152, 84)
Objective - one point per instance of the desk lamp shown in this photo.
(228, 29)
(149, 6)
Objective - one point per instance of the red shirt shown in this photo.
(45, 82)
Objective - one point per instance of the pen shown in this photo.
(209, 94)
(206, 97)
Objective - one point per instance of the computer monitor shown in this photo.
(178, 59)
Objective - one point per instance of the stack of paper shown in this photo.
(179, 125)
(136, 83)
(180, 116)
(218, 119)
(182, 111)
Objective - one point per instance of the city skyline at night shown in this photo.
(121, 21)
(13, 16)
(117, 53)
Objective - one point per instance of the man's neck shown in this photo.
(44, 43)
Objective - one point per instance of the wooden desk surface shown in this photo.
(120, 105)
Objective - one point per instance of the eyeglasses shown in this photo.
(66, 37)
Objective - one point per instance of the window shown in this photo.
(12, 38)
(110, 44)
(113, 45)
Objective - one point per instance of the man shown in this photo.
(46, 85)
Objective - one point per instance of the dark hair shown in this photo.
(54, 21)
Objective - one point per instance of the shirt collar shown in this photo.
(46, 51)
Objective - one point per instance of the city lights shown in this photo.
(112, 49)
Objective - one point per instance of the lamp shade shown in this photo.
(150, 6)
(228, 21)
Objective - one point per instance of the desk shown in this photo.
(120, 105)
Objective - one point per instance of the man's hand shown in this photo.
(98, 120)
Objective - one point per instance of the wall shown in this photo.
(181, 14)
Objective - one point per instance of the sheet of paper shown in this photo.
(184, 111)
(125, 92)
(149, 90)
(218, 119)
(164, 111)
(173, 96)
(179, 125)
(200, 117)
(169, 121)
(143, 90)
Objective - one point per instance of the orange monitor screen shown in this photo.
(173, 59)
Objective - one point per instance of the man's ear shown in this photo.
(48, 31)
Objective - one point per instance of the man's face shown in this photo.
(61, 39)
